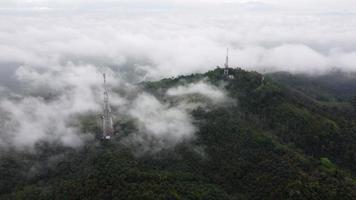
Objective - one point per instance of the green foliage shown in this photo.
(327, 165)
(276, 142)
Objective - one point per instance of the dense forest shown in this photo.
(283, 137)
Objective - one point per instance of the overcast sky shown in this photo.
(341, 5)
(157, 38)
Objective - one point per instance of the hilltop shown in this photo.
(273, 140)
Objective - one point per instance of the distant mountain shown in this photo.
(283, 137)
(333, 86)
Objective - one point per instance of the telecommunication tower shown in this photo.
(108, 130)
(226, 65)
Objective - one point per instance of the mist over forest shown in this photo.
(283, 116)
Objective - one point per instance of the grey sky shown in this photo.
(170, 41)
(306, 5)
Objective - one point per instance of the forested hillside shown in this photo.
(331, 86)
(272, 140)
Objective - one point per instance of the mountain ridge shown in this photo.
(275, 142)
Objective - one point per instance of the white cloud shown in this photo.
(163, 125)
(47, 110)
(160, 125)
(212, 92)
(32, 120)
(165, 44)
(295, 58)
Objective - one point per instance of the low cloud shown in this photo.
(53, 98)
(31, 120)
(164, 124)
(48, 107)
(160, 126)
(215, 94)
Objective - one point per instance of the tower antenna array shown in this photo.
(108, 130)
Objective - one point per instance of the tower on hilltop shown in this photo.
(108, 130)
(226, 65)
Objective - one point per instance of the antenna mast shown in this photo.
(108, 130)
(226, 69)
